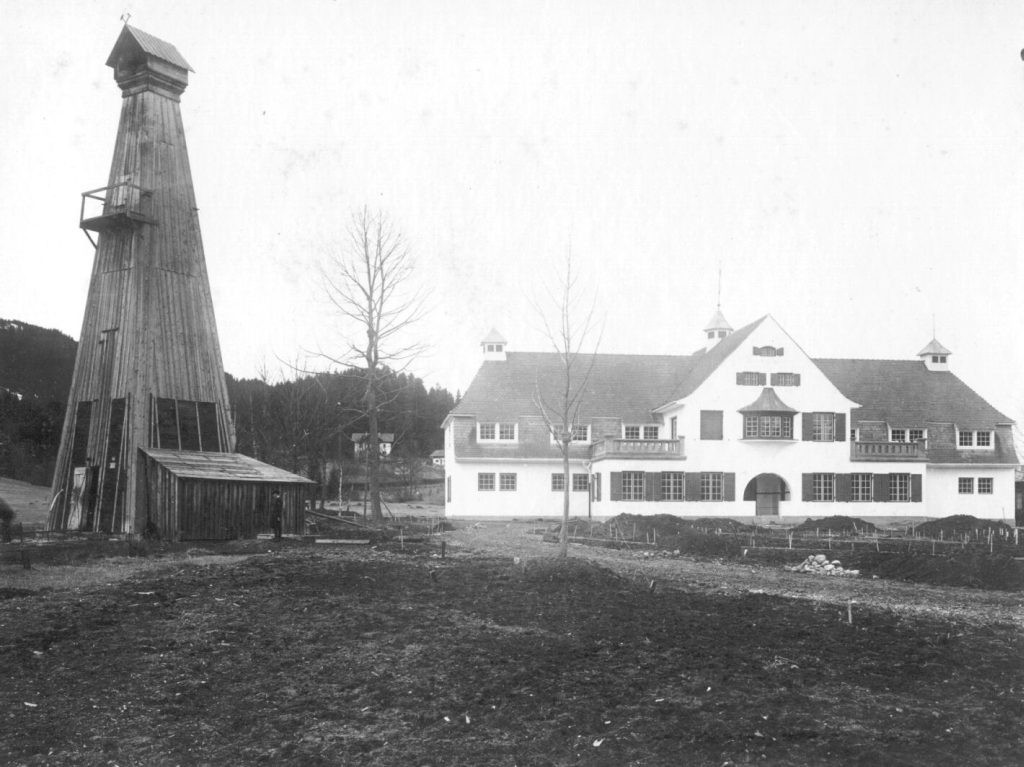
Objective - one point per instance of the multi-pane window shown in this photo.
(558, 481)
(853, 435)
(650, 432)
(579, 483)
(860, 487)
(983, 439)
(750, 378)
(484, 481)
(785, 379)
(631, 432)
(965, 485)
(985, 485)
(823, 487)
(672, 485)
(507, 482)
(580, 433)
(915, 435)
(898, 435)
(768, 351)
(823, 427)
(768, 426)
(632, 485)
(966, 439)
(899, 487)
(711, 486)
(496, 431)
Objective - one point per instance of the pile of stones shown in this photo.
(819, 564)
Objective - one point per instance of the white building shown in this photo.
(747, 426)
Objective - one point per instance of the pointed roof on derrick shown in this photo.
(132, 40)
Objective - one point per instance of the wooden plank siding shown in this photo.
(187, 508)
(149, 329)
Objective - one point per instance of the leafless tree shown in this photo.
(370, 282)
(575, 334)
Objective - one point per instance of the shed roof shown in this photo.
(231, 467)
(137, 40)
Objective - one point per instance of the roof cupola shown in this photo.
(717, 328)
(935, 356)
(493, 346)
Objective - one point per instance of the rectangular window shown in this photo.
(750, 378)
(965, 485)
(674, 427)
(983, 439)
(486, 431)
(631, 432)
(580, 433)
(650, 432)
(710, 424)
(823, 487)
(823, 427)
(579, 483)
(985, 485)
(632, 485)
(915, 435)
(899, 487)
(767, 426)
(966, 439)
(672, 485)
(898, 435)
(711, 486)
(860, 487)
(853, 435)
(506, 431)
(768, 351)
(507, 482)
(558, 481)
(785, 379)
(484, 481)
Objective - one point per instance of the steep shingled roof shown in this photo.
(904, 393)
(627, 386)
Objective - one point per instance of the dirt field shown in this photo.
(30, 502)
(306, 656)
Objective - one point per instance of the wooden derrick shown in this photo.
(148, 371)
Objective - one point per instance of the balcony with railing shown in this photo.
(112, 207)
(887, 451)
(639, 448)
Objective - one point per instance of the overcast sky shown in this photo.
(855, 167)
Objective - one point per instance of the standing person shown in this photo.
(276, 513)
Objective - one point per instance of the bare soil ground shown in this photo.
(290, 654)
(30, 502)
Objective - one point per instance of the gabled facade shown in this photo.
(747, 426)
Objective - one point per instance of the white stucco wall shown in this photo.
(533, 496)
(946, 500)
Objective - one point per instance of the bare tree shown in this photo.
(570, 327)
(370, 283)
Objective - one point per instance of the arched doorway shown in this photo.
(766, 491)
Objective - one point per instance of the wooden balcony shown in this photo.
(887, 451)
(114, 207)
(639, 448)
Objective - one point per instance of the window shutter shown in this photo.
(915, 488)
(762, 379)
(808, 425)
(796, 379)
(691, 485)
(840, 427)
(710, 424)
(595, 487)
(842, 487)
(652, 486)
(881, 482)
(615, 490)
(808, 487)
(739, 379)
(729, 486)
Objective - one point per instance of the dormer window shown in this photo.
(939, 358)
(497, 432)
(977, 439)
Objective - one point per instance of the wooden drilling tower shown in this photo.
(149, 373)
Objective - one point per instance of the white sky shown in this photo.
(856, 167)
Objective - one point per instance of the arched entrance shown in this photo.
(766, 491)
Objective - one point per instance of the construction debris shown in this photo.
(819, 564)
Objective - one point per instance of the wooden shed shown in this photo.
(192, 495)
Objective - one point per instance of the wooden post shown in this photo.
(442, 549)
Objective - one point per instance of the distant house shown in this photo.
(361, 441)
(437, 458)
(746, 426)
